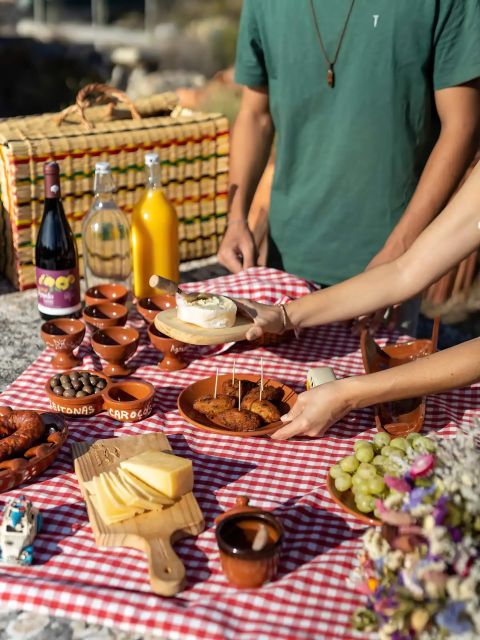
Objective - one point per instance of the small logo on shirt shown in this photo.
(375, 20)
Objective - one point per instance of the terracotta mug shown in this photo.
(236, 531)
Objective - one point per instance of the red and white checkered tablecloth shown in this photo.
(311, 597)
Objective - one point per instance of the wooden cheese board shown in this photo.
(152, 532)
(167, 322)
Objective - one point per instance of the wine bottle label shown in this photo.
(58, 291)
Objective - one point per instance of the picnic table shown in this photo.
(311, 598)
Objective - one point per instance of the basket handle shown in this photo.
(97, 94)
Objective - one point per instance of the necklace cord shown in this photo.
(330, 63)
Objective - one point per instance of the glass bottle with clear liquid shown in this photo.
(106, 235)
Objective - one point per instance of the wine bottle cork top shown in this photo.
(51, 167)
(151, 159)
(102, 167)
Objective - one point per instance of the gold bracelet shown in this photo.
(286, 322)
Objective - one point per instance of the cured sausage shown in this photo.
(18, 431)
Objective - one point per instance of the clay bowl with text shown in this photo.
(22, 467)
(87, 405)
(105, 315)
(129, 401)
(63, 335)
(116, 345)
(112, 292)
(149, 307)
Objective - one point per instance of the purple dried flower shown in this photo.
(440, 512)
(455, 534)
(419, 493)
(453, 618)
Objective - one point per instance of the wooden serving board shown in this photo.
(168, 323)
(152, 532)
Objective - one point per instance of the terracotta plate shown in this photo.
(207, 387)
(39, 456)
(346, 501)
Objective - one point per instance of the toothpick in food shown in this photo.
(216, 385)
(261, 378)
(239, 394)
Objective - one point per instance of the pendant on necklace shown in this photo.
(330, 77)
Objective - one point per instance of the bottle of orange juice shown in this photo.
(154, 233)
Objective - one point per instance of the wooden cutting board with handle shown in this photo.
(152, 532)
(168, 323)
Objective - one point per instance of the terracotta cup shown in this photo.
(236, 530)
(149, 307)
(170, 348)
(129, 401)
(106, 293)
(106, 314)
(63, 336)
(85, 406)
(116, 345)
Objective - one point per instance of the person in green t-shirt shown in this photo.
(374, 106)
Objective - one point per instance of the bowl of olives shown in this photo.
(77, 393)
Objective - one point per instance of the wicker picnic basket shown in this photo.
(105, 125)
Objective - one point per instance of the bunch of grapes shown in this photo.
(363, 472)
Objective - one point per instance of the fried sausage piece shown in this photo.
(272, 394)
(235, 420)
(23, 429)
(210, 406)
(230, 387)
(266, 410)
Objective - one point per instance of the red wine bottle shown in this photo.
(56, 257)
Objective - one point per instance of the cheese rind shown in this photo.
(169, 474)
(211, 312)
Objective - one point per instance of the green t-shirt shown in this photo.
(348, 159)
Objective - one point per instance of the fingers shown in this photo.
(295, 428)
(248, 252)
(228, 257)
(294, 412)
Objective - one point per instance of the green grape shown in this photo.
(412, 437)
(357, 481)
(399, 443)
(366, 470)
(364, 503)
(381, 440)
(379, 461)
(349, 464)
(423, 443)
(365, 454)
(376, 485)
(343, 482)
(391, 469)
(392, 451)
(359, 444)
(335, 471)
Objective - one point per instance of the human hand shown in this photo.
(267, 318)
(237, 250)
(315, 411)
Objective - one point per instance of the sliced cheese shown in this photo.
(114, 499)
(109, 511)
(129, 496)
(143, 490)
(169, 474)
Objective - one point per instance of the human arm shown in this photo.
(317, 410)
(250, 149)
(451, 237)
(459, 113)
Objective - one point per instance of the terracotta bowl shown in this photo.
(85, 406)
(116, 345)
(23, 467)
(170, 348)
(244, 567)
(129, 401)
(149, 307)
(63, 336)
(106, 314)
(106, 293)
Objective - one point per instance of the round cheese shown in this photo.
(208, 311)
